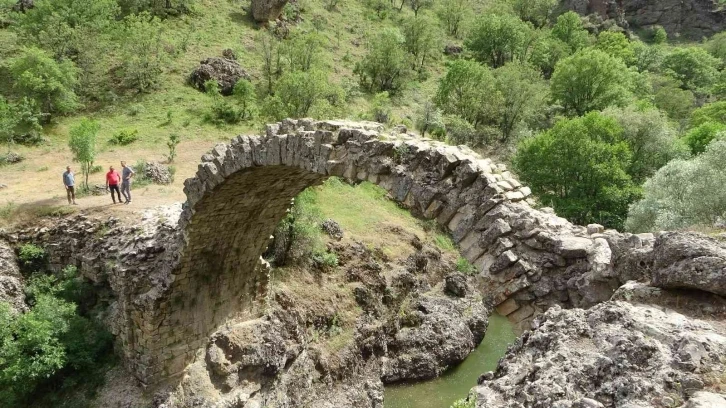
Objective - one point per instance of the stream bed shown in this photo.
(455, 384)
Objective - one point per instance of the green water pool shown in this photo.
(455, 383)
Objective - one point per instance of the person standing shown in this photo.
(112, 180)
(69, 181)
(126, 174)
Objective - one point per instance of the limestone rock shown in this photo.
(614, 355)
(443, 338)
(703, 399)
(455, 285)
(11, 281)
(267, 10)
(158, 173)
(223, 70)
(689, 260)
(332, 228)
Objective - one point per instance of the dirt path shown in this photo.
(34, 187)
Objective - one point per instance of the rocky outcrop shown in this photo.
(615, 354)
(690, 19)
(442, 333)
(223, 70)
(689, 261)
(11, 281)
(267, 10)
(158, 173)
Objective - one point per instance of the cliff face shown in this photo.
(689, 19)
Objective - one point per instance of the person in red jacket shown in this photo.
(112, 180)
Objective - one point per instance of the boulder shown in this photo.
(689, 261)
(267, 10)
(456, 285)
(223, 70)
(703, 399)
(158, 173)
(332, 228)
(11, 281)
(453, 49)
(445, 332)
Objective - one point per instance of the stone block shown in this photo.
(506, 308)
(521, 314)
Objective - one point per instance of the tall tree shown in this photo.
(579, 168)
(142, 51)
(453, 14)
(590, 80)
(469, 91)
(524, 93)
(82, 143)
(537, 12)
(49, 83)
(498, 39)
(423, 39)
(386, 63)
(570, 30)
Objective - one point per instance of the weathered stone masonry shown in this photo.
(529, 258)
(174, 284)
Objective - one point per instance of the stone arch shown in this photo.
(242, 190)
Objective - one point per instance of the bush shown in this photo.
(46, 349)
(698, 138)
(386, 64)
(683, 194)
(498, 39)
(381, 108)
(31, 256)
(124, 137)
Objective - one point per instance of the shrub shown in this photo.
(381, 108)
(683, 194)
(386, 64)
(31, 256)
(464, 266)
(172, 143)
(124, 137)
(469, 91)
(698, 138)
(325, 259)
(464, 403)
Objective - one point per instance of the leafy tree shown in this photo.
(694, 67)
(381, 7)
(64, 26)
(699, 137)
(245, 96)
(222, 111)
(385, 66)
(651, 138)
(172, 143)
(677, 103)
(429, 118)
(423, 39)
(683, 193)
(498, 39)
(713, 112)
(648, 58)
(302, 51)
(142, 53)
(297, 92)
(616, 45)
(418, 5)
(716, 45)
(49, 83)
(579, 167)
(660, 36)
(453, 15)
(590, 80)
(537, 12)
(525, 94)
(468, 90)
(570, 30)
(82, 143)
(19, 122)
(546, 51)
(272, 61)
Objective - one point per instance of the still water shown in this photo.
(455, 383)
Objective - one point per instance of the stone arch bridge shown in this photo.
(528, 259)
